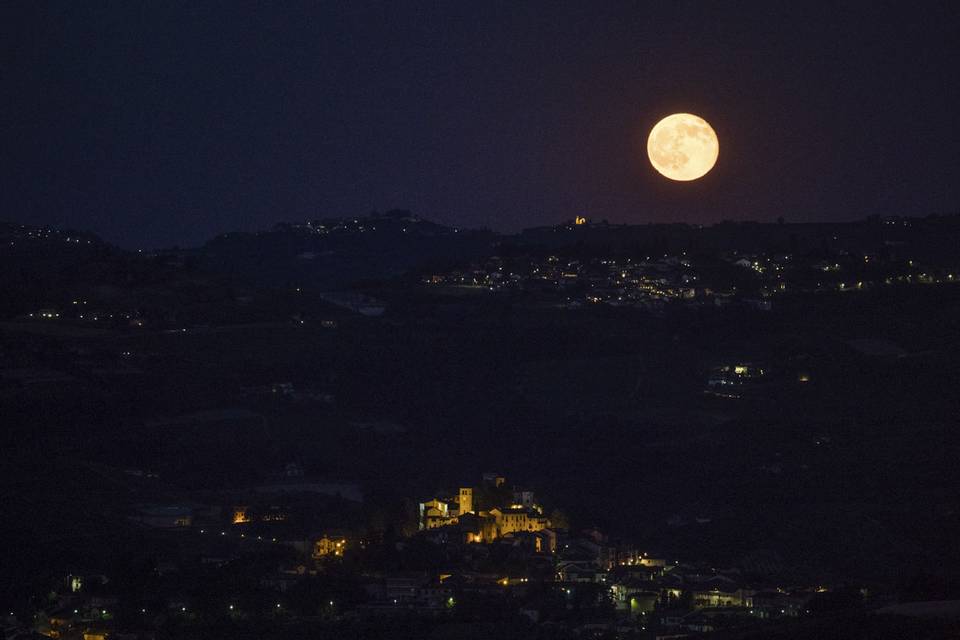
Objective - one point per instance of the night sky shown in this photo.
(165, 123)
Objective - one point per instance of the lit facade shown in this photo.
(329, 546)
(518, 519)
(523, 515)
(466, 500)
(241, 515)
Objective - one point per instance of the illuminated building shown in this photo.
(486, 525)
(466, 500)
(720, 595)
(329, 545)
(524, 498)
(732, 381)
(635, 596)
(517, 518)
(579, 571)
(436, 513)
(543, 541)
(440, 513)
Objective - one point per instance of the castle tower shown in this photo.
(466, 500)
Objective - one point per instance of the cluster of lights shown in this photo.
(242, 535)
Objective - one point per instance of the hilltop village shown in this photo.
(488, 513)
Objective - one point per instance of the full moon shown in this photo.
(683, 147)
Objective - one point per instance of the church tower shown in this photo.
(466, 500)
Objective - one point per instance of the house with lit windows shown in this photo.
(329, 545)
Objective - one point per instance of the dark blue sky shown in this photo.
(167, 122)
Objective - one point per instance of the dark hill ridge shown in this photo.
(338, 252)
(932, 238)
(76, 278)
(40, 266)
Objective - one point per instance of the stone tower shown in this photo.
(466, 500)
